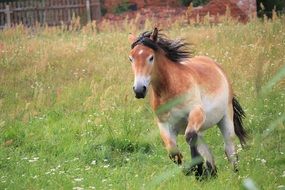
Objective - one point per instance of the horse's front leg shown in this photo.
(199, 150)
(168, 136)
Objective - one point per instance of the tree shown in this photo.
(194, 2)
(265, 7)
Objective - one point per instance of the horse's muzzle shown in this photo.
(140, 91)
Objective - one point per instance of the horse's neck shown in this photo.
(161, 76)
(168, 78)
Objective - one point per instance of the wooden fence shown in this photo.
(50, 12)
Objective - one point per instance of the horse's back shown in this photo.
(208, 74)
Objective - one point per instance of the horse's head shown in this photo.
(142, 57)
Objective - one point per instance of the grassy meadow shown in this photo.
(69, 118)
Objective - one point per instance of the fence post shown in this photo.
(98, 10)
(8, 16)
(88, 11)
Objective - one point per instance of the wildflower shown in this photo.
(106, 166)
(93, 162)
(77, 188)
(34, 159)
(78, 179)
(263, 161)
(75, 159)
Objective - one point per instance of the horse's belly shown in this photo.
(214, 111)
(213, 116)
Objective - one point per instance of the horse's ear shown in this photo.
(154, 35)
(132, 38)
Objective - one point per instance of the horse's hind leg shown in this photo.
(199, 150)
(226, 126)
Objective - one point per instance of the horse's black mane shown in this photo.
(175, 50)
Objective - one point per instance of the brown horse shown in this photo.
(188, 95)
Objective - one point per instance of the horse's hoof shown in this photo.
(196, 170)
(235, 168)
(176, 158)
(210, 171)
(200, 171)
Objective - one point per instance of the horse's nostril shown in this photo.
(144, 88)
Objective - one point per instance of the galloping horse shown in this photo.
(198, 92)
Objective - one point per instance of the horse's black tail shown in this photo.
(239, 115)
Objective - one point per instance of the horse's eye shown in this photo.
(150, 59)
(131, 59)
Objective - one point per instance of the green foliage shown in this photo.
(122, 7)
(185, 3)
(69, 119)
(103, 8)
(195, 3)
(265, 7)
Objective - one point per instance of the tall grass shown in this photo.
(69, 119)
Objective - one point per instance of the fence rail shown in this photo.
(50, 12)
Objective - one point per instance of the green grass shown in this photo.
(69, 119)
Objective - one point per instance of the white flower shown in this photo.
(78, 179)
(106, 166)
(33, 159)
(93, 162)
(77, 188)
